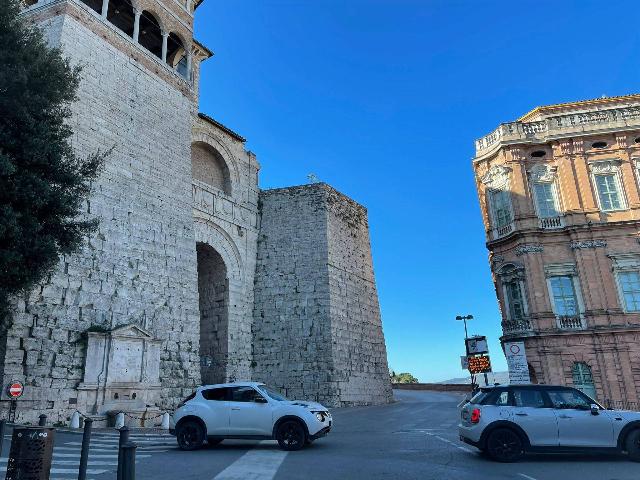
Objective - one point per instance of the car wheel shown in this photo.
(190, 435)
(504, 445)
(632, 445)
(291, 435)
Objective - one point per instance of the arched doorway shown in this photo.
(213, 290)
(583, 379)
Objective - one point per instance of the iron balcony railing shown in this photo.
(521, 325)
(570, 322)
(549, 223)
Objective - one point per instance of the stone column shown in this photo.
(136, 25)
(165, 36)
(105, 8)
(189, 63)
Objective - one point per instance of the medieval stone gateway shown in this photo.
(195, 274)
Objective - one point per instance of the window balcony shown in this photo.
(550, 223)
(570, 322)
(503, 231)
(511, 327)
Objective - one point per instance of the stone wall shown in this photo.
(140, 266)
(317, 331)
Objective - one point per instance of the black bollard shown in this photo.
(43, 420)
(3, 429)
(84, 452)
(129, 461)
(124, 439)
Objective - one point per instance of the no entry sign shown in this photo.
(15, 390)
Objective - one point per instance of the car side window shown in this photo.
(528, 398)
(244, 394)
(569, 399)
(216, 394)
(502, 399)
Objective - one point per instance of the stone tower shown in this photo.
(161, 298)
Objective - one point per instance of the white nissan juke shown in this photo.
(247, 411)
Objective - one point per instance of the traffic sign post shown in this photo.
(15, 390)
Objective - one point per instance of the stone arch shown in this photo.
(209, 166)
(177, 53)
(120, 14)
(218, 145)
(150, 36)
(211, 234)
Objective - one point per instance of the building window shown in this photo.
(500, 204)
(546, 203)
(565, 302)
(564, 291)
(608, 185)
(515, 303)
(583, 379)
(630, 289)
(608, 192)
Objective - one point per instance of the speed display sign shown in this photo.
(479, 364)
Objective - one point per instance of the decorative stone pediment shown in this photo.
(560, 269)
(511, 271)
(127, 331)
(605, 166)
(625, 261)
(543, 172)
(497, 177)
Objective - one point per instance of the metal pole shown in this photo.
(129, 461)
(43, 420)
(124, 439)
(3, 428)
(84, 453)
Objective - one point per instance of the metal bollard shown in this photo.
(3, 428)
(129, 461)
(84, 452)
(124, 439)
(43, 420)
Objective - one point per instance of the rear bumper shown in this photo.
(469, 441)
(320, 433)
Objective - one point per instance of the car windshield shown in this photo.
(273, 393)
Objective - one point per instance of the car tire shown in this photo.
(632, 445)
(504, 445)
(190, 435)
(291, 435)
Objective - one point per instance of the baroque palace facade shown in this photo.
(560, 196)
(195, 274)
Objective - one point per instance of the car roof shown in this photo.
(231, 384)
(526, 387)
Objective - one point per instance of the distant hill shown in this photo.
(496, 377)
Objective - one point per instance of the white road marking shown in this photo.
(54, 471)
(526, 476)
(254, 465)
(459, 447)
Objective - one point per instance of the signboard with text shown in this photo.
(517, 363)
(464, 362)
(479, 364)
(477, 345)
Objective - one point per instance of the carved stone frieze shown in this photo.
(605, 166)
(528, 248)
(496, 177)
(588, 244)
(542, 172)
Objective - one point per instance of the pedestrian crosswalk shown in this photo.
(103, 453)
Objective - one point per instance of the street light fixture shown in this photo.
(464, 318)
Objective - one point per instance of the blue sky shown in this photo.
(383, 100)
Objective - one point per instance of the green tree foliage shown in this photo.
(43, 184)
(402, 378)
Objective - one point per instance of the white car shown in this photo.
(505, 422)
(247, 410)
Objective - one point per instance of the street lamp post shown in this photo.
(464, 318)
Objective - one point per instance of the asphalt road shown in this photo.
(414, 438)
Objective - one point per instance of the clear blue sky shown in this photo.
(383, 100)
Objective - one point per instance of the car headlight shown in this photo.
(320, 417)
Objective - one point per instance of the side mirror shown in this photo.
(595, 409)
(260, 400)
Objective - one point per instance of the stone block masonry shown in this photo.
(317, 328)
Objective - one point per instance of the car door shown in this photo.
(535, 415)
(215, 411)
(248, 416)
(577, 426)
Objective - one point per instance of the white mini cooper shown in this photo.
(248, 411)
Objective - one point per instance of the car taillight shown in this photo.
(475, 415)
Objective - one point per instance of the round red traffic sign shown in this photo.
(15, 390)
